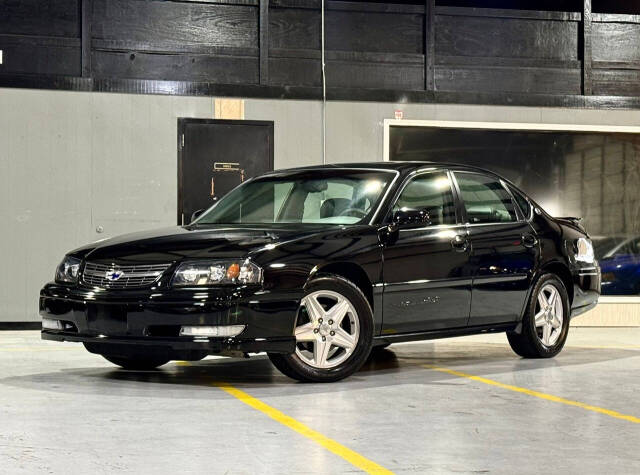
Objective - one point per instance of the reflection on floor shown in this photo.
(63, 410)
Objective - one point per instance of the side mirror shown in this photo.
(196, 214)
(408, 216)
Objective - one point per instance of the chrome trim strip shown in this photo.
(495, 224)
(435, 226)
(482, 279)
(432, 283)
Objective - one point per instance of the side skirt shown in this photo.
(448, 333)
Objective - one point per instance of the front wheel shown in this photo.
(334, 332)
(545, 325)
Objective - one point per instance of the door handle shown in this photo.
(529, 240)
(460, 243)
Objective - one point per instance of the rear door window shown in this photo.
(432, 193)
(485, 199)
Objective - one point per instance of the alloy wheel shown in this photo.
(327, 330)
(549, 315)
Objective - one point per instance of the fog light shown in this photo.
(214, 331)
(50, 324)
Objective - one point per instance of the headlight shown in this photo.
(67, 271)
(217, 273)
(584, 251)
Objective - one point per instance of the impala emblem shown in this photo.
(113, 274)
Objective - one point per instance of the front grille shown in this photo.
(131, 276)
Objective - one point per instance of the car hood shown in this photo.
(180, 242)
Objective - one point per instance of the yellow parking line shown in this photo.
(340, 450)
(538, 394)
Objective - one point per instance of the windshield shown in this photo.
(319, 196)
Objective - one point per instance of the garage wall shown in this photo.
(73, 161)
(70, 162)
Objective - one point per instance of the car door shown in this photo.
(504, 249)
(427, 284)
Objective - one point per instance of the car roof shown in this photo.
(397, 166)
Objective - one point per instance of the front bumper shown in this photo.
(149, 320)
(586, 288)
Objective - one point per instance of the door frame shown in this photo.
(182, 125)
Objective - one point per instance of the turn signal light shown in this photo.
(212, 331)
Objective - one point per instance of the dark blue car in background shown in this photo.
(619, 258)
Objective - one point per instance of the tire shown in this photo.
(137, 363)
(546, 338)
(328, 350)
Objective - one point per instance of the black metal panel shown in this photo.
(614, 41)
(175, 26)
(376, 75)
(35, 17)
(85, 27)
(189, 88)
(38, 55)
(183, 67)
(271, 48)
(506, 37)
(264, 41)
(587, 49)
(294, 28)
(379, 32)
(299, 71)
(429, 44)
(616, 82)
(498, 79)
(616, 54)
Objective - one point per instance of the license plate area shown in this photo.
(107, 319)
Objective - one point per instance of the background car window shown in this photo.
(430, 192)
(485, 199)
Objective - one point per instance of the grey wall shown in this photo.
(72, 161)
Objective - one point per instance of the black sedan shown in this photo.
(317, 266)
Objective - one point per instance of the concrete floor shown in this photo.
(63, 410)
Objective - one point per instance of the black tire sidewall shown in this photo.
(542, 350)
(346, 288)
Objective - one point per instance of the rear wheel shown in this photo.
(334, 332)
(545, 325)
